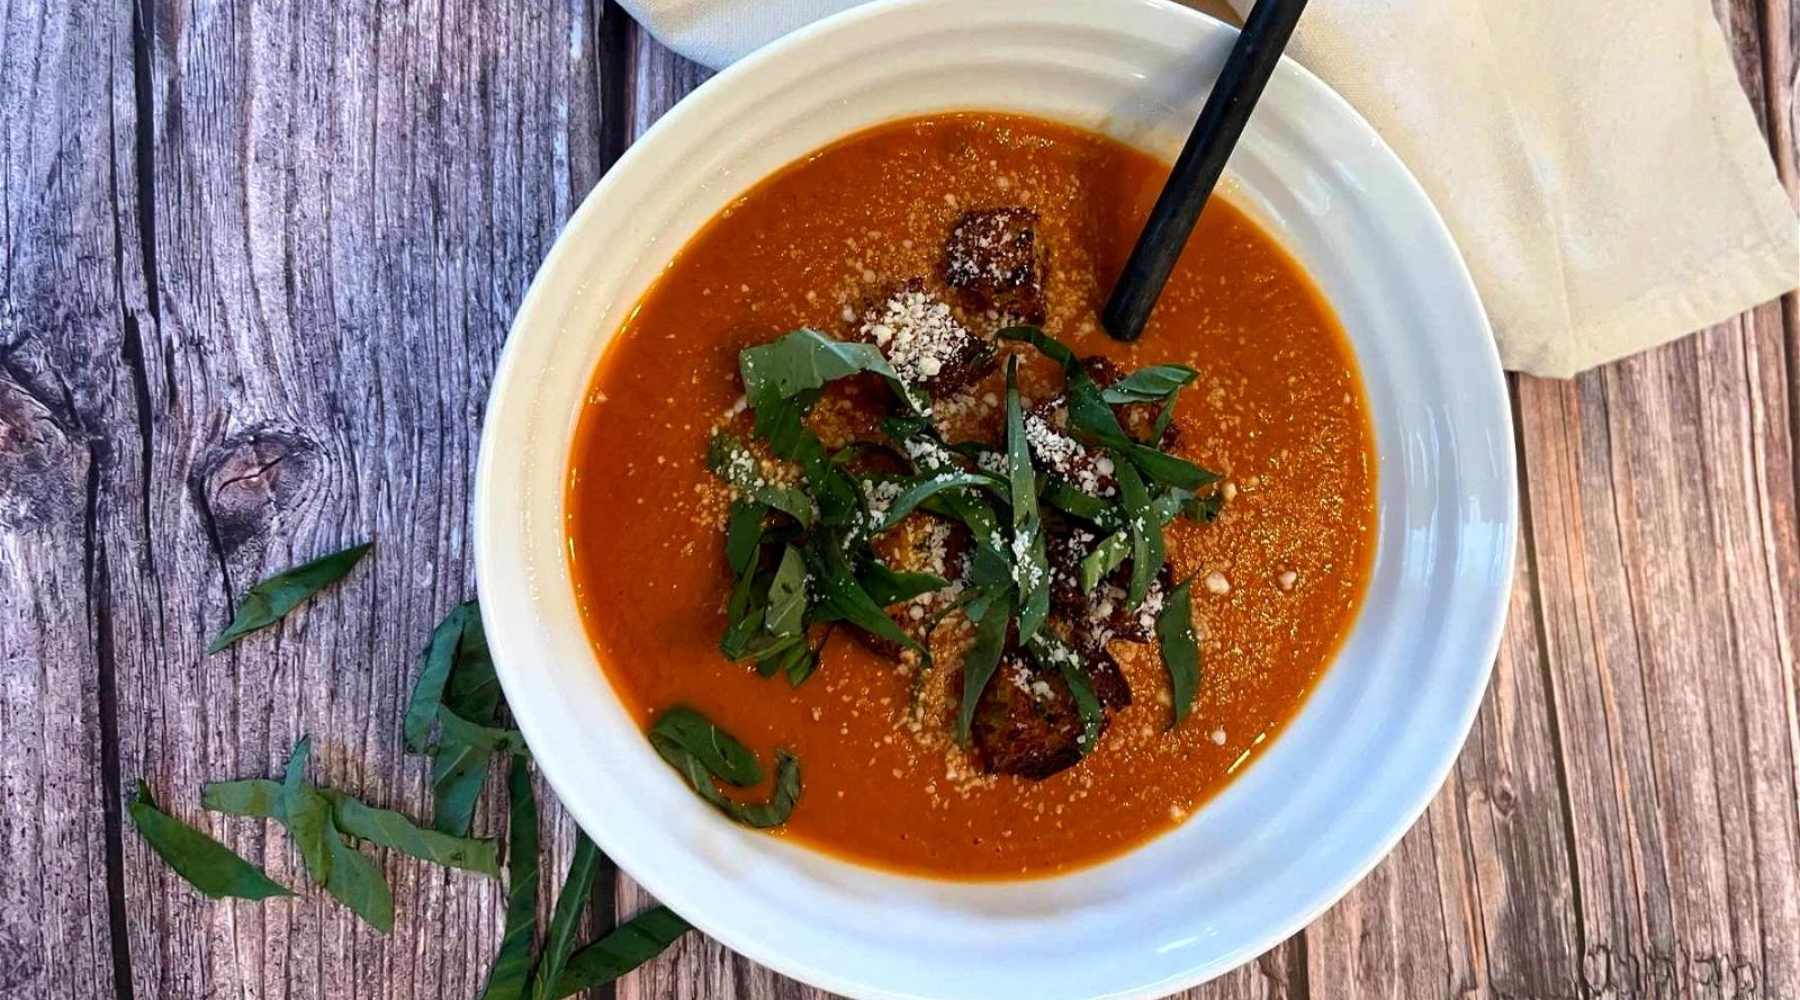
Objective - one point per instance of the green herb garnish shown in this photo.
(1053, 653)
(731, 461)
(702, 752)
(270, 601)
(982, 659)
(1031, 570)
(206, 864)
(1180, 651)
(806, 360)
(1149, 385)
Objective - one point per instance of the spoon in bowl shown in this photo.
(1247, 69)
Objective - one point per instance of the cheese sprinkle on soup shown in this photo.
(896, 554)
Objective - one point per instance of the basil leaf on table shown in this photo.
(1180, 651)
(460, 767)
(472, 690)
(621, 950)
(260, 797)
(435, 663)
(356, 882)
(720, 752)
(982, 659)
(693, 746)
(511, 972)
(306, 814)
(207, 865)
(560, 937)
(1031, 568)
(270, 601)
(330, 860)
(1149, 385)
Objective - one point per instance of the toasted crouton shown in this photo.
(923, 340)
(993, 259)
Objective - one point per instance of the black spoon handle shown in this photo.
(1202, 160)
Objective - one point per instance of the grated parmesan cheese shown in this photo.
(917, 333)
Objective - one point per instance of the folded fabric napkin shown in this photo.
(1600, 168)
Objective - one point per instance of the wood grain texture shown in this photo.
(256, 263)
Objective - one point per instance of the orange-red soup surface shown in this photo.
(1277, 407)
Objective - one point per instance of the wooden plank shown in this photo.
(67, 423)
(349, 201)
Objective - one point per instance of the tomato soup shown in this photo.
(1276, 409)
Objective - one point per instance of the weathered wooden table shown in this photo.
(256, 264)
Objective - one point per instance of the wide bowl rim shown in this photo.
(487, 545)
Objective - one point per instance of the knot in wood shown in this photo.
(250, 479)
(41, 465)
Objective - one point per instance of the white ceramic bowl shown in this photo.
(1333, 793)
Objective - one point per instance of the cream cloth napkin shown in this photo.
(1597, 161)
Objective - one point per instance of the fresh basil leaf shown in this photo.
(1047, 345)
(259, 797)
(717, 750)
(1146, 534)
(387, 828)
(573, 898)
(732, 462)
(1164, 417)
(460, 768)
(801, 665)
(306, 814)
(744, 614)
(435, 664)
(1106, 556)
(888, 587)
(806, 360)
(787, 595)
(1180, 650)
(841, 598)
(356, 882)
(1053, 653)
(206, 864)
(772, 654)
(1092, 418)
(624, 948)
(1149, 385)
(270, 601)
(982, 659)
(1031, 569)
(472, 691)
(511, 972)
(760, 815)
(1070, 500)
(1205, 509)
(743, 535)
(931, 485)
